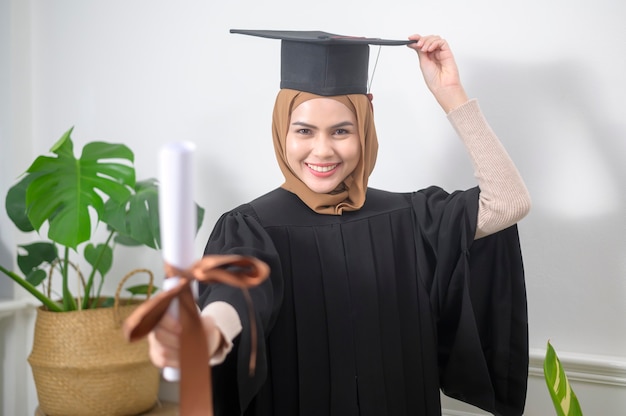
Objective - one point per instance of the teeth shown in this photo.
(322, 169)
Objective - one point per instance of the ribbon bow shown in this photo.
(196, 396)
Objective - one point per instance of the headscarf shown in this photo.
(350, 194)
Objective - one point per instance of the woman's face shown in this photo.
(323, 145)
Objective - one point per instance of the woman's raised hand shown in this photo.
(439, 70)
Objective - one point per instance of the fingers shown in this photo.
(164, 343)
(428, 43)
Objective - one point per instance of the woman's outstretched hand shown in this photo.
(439, 70)
(165, 345)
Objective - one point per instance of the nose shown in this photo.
(323, 146)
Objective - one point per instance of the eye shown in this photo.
(341, 132)
(304, 131)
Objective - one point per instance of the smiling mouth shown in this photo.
(322, 169)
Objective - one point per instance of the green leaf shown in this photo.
(66, 188)
(107, 303)
(100, 257)
(200, 216)
(36, 277)
(141, 290)
(136, 221)
(563, 396)
(126, 241)
(36, 254)
(62, 142)
(50, 304)
(15, 204)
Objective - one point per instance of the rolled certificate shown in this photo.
(177, 216)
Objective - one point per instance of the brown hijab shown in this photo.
(349, 195)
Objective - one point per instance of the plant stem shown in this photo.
(92, 275)
(100, 288)
(50, 304)
(68, 300)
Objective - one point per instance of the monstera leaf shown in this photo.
(65, 188)
(66, 194)
(136, 220)
(37, 256)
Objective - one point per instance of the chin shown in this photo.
(322, 189)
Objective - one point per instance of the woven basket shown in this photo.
(82, 365)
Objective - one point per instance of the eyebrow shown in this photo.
(310, 126)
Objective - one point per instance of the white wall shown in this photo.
(549, 75)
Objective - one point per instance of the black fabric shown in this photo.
(372, 312)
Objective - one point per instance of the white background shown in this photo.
(549, 75)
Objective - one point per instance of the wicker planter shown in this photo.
(82, 364)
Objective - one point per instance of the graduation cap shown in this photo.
(323, 63)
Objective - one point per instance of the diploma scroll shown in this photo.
(177, 213)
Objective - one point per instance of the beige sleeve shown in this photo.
(504, 199)
(228, 322)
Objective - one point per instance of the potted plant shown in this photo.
(77, 332)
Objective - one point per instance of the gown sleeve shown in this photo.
(478, 298)
(239, 233)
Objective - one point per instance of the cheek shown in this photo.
(353, 153)
(293, 151)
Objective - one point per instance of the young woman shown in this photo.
(376, 300)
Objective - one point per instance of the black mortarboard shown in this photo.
(323, 63)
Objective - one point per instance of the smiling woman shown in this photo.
(323, 145)
(368, 307)
(349, 120)
(144, 72)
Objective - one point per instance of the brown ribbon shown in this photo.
(196, 396)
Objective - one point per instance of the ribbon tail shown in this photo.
(196, 393)
(148, 314)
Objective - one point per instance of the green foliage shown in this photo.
(140, 289)
(65, 188)
(134, 291)
(67, 193)
(100, 257)
(137, 217)
(37, 254)
(15, 204)
(563, 396)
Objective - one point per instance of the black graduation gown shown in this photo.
(373, 311)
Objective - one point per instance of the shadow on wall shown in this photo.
(569, 145)
(553, 120)
(3, 356)
(6, 284)
(6, 292)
